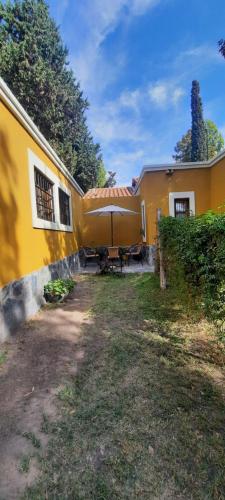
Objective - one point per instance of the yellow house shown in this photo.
(40, 215)
(174, 188)
(43, 211)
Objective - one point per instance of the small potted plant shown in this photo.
(57, 290)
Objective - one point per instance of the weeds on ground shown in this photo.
(32, 438)
(144, 417)
(3, 357)
(24, 464)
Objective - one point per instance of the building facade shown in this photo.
(43, 211)
(40, 215)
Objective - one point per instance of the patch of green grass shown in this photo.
(3, 357)
(144, 416)
(24, 464)
(34, 440)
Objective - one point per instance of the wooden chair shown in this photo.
(114, 257)
(135, 251)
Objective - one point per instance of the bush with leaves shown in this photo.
(196, 247)
(59, 287)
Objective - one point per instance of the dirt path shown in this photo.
(45, 352)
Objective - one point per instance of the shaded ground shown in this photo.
(140, 409)
(45, 351)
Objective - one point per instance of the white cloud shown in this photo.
(158, 94)
(130, 99)
(177, 94)
(165, 94)
(109, 125)
(201, 52)
(125, 163)
(139, 7)
(91, 67)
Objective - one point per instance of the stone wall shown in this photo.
(151, 256)
(21, 299)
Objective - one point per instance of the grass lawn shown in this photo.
(144, 417)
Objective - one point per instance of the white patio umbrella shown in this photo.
(110, 210)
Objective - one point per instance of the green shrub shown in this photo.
(59, 287)
(196, 247)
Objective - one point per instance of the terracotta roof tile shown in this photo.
(114, 192)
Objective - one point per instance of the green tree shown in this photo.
(102, 175)
(214, 143)
(34, 63)
(183, 148)
(198, 143)
(214, 139)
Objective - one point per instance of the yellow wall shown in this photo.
(218, 186)
(24, 249)
(156, 186)
(96, 231)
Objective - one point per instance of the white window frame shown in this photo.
(143, 220)
(182, 194)
(35, 162)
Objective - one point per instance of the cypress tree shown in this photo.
(198, 132)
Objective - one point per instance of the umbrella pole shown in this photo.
(111, 227)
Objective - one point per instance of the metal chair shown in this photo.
(88, 254)
(135, 251)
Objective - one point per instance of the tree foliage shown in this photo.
(198, 143)
(102, 175)
(214, 139)
(34, 63)
(221, 44)
(214, 143)
(183, 148)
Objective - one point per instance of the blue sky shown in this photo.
(135, 60)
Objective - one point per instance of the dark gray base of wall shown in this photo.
(151, 256)
(21, 299)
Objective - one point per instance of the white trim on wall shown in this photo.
(143, 220)
(182, 194)
(35, 162)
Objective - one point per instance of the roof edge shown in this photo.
(19, 112)
(178, 166)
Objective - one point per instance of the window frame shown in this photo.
(38, 223)
(39, 190)
(179, 195)
(143, 220)
(67, 212)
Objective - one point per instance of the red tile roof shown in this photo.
(114, 192)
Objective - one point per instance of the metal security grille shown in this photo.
(44, 197)
(181, 207)
(64, 208)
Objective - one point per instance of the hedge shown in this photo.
(196, 247)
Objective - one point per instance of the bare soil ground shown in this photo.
(43, 354)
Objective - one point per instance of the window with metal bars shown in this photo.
(44, 197)
(181, 207)
(64, 208)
